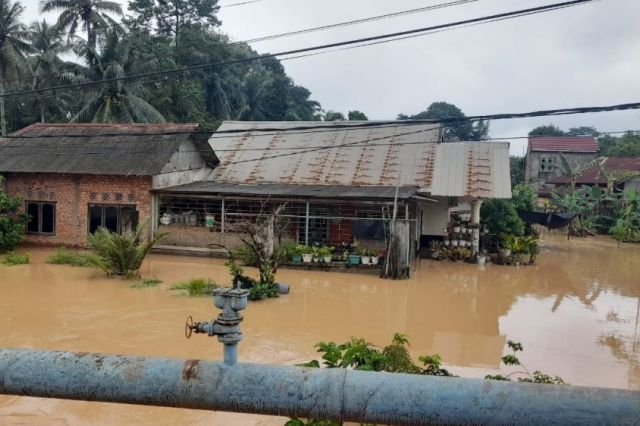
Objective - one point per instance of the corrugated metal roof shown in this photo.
(383, 156)
(130, 149)
(563, 144)
(593, 176)
(293, 191)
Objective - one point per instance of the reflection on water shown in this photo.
(576, 313)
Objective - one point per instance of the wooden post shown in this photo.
(222, 216)
(306, 225)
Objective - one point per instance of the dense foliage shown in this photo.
(11, 223)
(157, 35)
(500, 216)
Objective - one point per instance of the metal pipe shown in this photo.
(338, 394)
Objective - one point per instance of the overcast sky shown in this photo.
(581, 56)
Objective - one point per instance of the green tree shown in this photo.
(456, 127)
(548, 130)
(357, 116)
(524, 197)
(11, 223)
(119, 101)
(516, 166)
(583, 131)
(93, 14)
(333, 116)
(172, 16)
(13, 46)
(627, 145)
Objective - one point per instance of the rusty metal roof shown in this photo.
(384, 156)
(563, 144)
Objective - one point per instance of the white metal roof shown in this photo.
(399, 153)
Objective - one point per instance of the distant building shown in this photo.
(624, 174)
(543, 161)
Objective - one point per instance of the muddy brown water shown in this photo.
(576, 313)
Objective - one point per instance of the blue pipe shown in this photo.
(337, 394)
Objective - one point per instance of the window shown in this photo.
(42, 218)
(546, 164)
(115, 218)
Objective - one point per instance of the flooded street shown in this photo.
(576, 313)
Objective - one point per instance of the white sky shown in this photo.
(582, 56)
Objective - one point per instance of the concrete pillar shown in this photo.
(475, 221)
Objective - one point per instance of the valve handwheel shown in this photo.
(188, 327)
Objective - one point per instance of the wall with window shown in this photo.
(65, 208)
(542, 166)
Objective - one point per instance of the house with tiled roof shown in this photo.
(620, 173)
(544, 163)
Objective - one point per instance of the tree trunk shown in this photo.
(3, 118)
(91, 37)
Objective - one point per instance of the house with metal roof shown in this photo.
(338, 181)
(75, 178)
(543, 161)
(335, 182)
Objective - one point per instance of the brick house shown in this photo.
(75, 178)
(543, 161)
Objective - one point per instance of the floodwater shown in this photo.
(576, 313)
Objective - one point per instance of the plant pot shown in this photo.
(455, 243)
(375, 260)
(435, 255)
(366, 260)
(482, 260)
(447, 243)
(283, 288)
(327, 259)
(316, 259)
(354, 259)
(165, 219)
(456, 229)
(296, 258)
(307, 258)
(506, 252)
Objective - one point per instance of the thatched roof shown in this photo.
(109, 149)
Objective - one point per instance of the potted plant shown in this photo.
(456, 228)
(325, 253)
(365, 255)
(482, 257)
(307, 254)
(295, 253)
(455, 243)
(375, 257)
(353, 259)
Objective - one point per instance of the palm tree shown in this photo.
(92, 13)
(120, 101)
(13, 46)
(254, 91)
(47, 69)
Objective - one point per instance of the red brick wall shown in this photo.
(72, 195)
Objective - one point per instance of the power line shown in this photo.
(513, 14)
(303, 31)
(319, 128)
(357, 21)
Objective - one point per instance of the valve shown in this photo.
(227, 325)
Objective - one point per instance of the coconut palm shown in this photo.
(92, 13)
(121, 101)
(46, 68)
(254, 89)
(13, 46)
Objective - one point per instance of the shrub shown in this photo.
(501, 217)
(246, 255)
(11, 223)
(13, 258)
(120, 254)
(64, 256)
(196, 287)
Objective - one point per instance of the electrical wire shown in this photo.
(513, 14)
